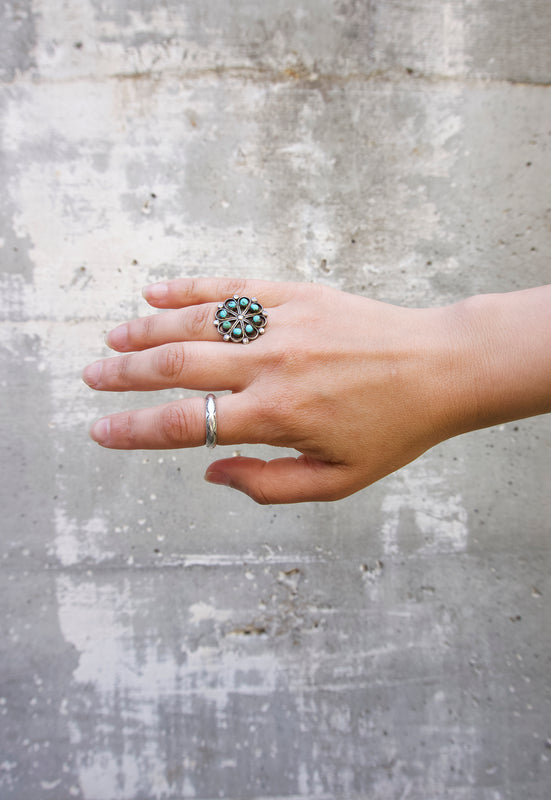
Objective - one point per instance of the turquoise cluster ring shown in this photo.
(240, 319)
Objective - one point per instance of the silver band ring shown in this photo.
(210, 418)
(240, 319)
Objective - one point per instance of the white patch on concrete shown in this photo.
(91, 251)
(75, 541)
(438, 512)
(49, 785)
(99, 621)
(61, 355)
(201, 612)
(232, 559)
(104, 51)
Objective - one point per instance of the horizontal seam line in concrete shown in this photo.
(110, 566)
(297, 76)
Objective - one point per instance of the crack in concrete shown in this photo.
(292, 74)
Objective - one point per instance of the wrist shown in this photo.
(469, 325)
(500, 357)
(447, 369)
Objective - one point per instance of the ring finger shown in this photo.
(177, 424)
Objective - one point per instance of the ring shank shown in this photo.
(210, 419)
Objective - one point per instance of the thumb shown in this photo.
(283, 480)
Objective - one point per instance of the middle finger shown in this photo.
(192, 365)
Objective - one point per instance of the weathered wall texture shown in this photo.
(162, 638)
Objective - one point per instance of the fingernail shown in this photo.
(92, 374)
(220, 478)
(118, 337)
(157, 291)
(100, 430)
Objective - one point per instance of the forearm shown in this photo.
(503, 356)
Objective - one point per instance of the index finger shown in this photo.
(193, 291)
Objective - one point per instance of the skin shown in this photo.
(359, 388)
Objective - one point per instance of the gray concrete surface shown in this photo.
(162, 638)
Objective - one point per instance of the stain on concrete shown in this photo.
(17, 38)
(15, 245)
(35, 736)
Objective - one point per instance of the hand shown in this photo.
(358, 387)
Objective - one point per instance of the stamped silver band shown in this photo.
(210, 418)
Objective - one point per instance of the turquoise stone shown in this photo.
(240, 319)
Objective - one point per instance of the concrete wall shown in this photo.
(162, 638)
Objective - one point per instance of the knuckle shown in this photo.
(140, 332)
(170, 361)
(273, 413)
(312, 291)
(261, 496)
(175, 425)
(239, 286)
(123, 429)
(200, 319)
(278, 362)
(190, 289)
(147, 332)
(265, 413)
(123, 369)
